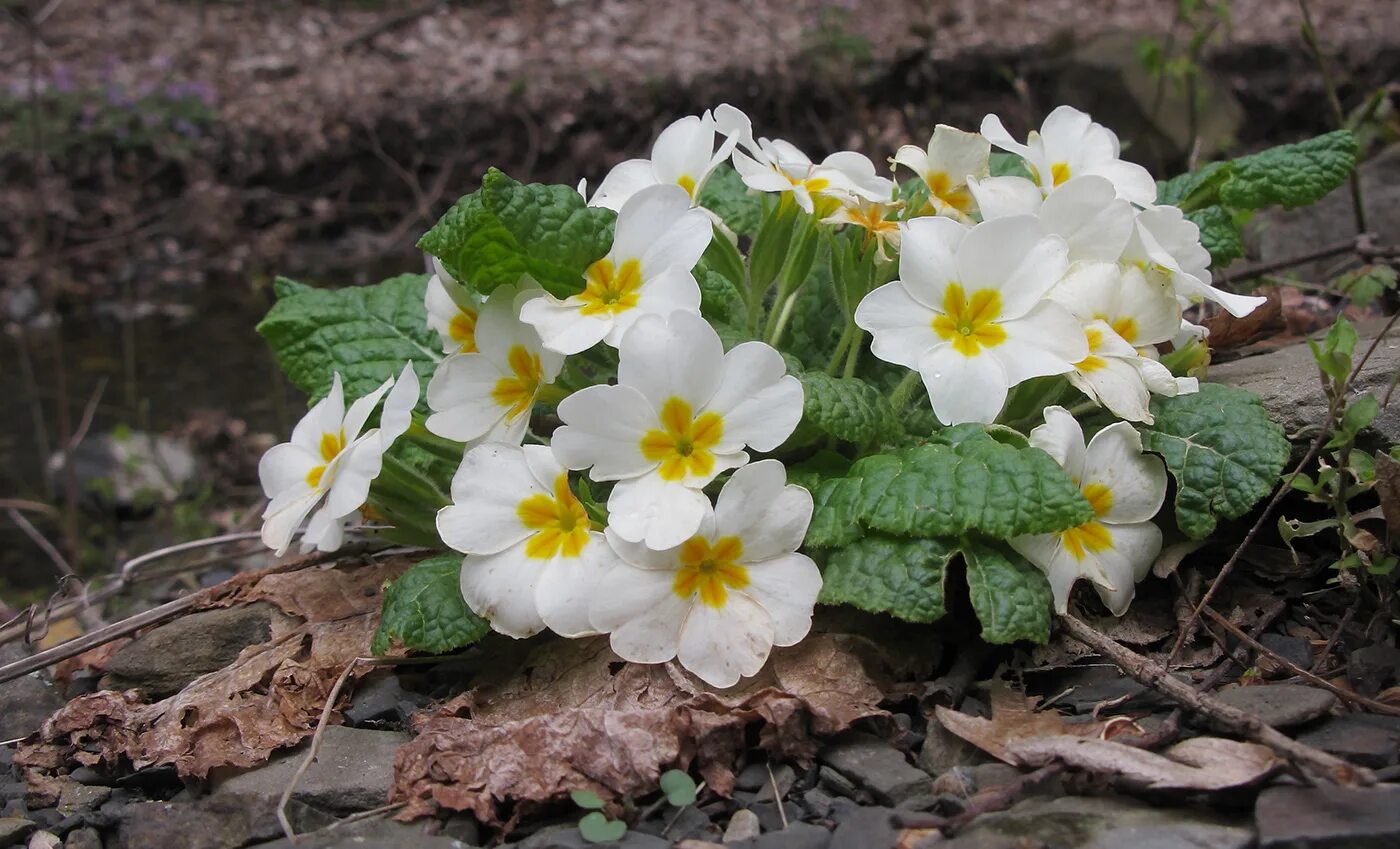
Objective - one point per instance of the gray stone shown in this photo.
(163, 661)
(865, 828)
(14, 829)
(83, 838)
(742, 826)
(1374, 668)
(130, 472)
(78, 798)
(1280, 705)
(752, 777)
(783, 776)
(1296, 650)
(45, 840)
(798, 835)
(224, 822)
(1369, 740)
(877, 766)
(569, 838)
(381, 698)
(1328, 817)
(689, 823)
(352, 772)
(1286, 381)
(370, 834)
(769, 817)
(25, 702)
(838, 784)
(1085, 822)
(943, 750)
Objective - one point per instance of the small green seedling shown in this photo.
(596, 827)
(679, 788)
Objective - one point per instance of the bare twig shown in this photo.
(1158, 677)
(1336, 635)
(1363, 245)
(988, 801)
(38, 539)
(31, 506)
(1309, 32)
(316, 738)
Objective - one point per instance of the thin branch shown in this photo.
(1363, 245)
(1157, 676)
(1309, 32)
(38, 539)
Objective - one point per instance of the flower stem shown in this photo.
(899, 398)
(853, 354)
(839, 354)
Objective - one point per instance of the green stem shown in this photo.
(837, 355)
(853, 354)
(899, 398)
(553, 393)
(776, 334)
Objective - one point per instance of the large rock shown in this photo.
(1091, 822)
(1286, 381)
(24, 702)
(130, 472)
(227, 822)
(1328, 817)
(1280, 705)
(1368, 739)
(877, 766)
(164, 660)
(352, 772)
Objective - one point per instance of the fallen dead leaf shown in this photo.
(1024, 737)
(1388, 490)
(270, 698)
(1227, 331)
(573, 716)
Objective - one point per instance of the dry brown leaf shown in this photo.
(1388, 490)
(271, 697)
(1227, 331)
(1024, 737)
(573, 716)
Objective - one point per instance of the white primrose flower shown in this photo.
(488, 394)
(683, 155)
(774, 165)
(1125, 487)
(330, 463)
(720, 600)
(1168, 242)
(1070, 144)
(969, 314)
(453, 310)
(658, 240)
(953, 158)
(682, 411)
(1086, 212)
(1124, 314)
(874, 218)
(532, 559)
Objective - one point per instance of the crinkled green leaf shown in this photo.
(720, 300)
(424, 610)
(946, 490)
(1291, 175)
(1222, 448)
(366, 333)
(1012, 598)
(507, 229)
(816, 322)
(848, 409)
(1195, 189)
(725, 194)
(1219, 235)
(902, 577)
(820, 466)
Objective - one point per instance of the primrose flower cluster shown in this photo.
(1062, 266)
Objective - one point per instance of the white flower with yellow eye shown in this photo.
(532, 560)
(328, 460)
(1126, 488)
(659, 239)
(682, 411)
(1086, 212)
(969, 314)
(874, 218)
(952, 159)
(488, 394)
(1070, 144)
(453, 310)
(683, 155)
(724, 597)
(1125, 314)
(777, 166)
(1168, 243)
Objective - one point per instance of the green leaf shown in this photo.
(424, 610)
(507, 229)
(1012, 598)
(366, 333)
(596, 828)
(587, 799)
(1001, 164)
(725, 194)
(284, 287)
(1367, 283)
(816, 323)
(971, 482)
(902, 577)
(1219, 235)
(820, 466)
(848, 409)
(1291, 175)
(1222, 448)
(720, 300)
(1195, 189)
(679, 788)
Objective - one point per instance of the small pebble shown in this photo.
(743, 825)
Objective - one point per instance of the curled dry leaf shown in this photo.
(1227, 331)
(1024, 737)
(573, 716)
(271, 697)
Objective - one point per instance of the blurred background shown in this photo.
(161, 161)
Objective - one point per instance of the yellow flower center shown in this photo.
(970, 323)
(331, 446)
(1099, 497)
(940, 185)
(1094, 337)
(611, 289)
(872, 218)
(1124, 326)
(682, 445)
(517, 393)
(560, 523)
(462, 329)
(687, 182)
(1089, 538)
(710, 570)
(1059, 172)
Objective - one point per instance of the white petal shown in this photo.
(1012, 256)
(498, 327)
(760, 404)
(1137, 481)
(460, 394)
(638, 555)
(657, 512)
(758, 506)
(1117, 385)
(1003, 197)
(359, 411)
(901, 326)
(562, 326)
(1062, 438)
(683, 150)
(283, 517)
(324, 532)
(958, 154)
(568, 584)
(285, 467)
(642, 612)
(1134, 549)
(1195, 291)
(326, 416)
(501, 588)
(787, 588)
(722, 645)
(603, 428)
(1047, 340)
(1155, 313)
(912, 157)
(352, 472)
(679, 356)
(680, 245)
(1059, 566)
(487, 490)
(927, 259)
(996, 134)
(647, 218)
(622, 182)
(673, 290)
(1133, 182)
(963, 389)
(397, 414)
(1087, 213)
